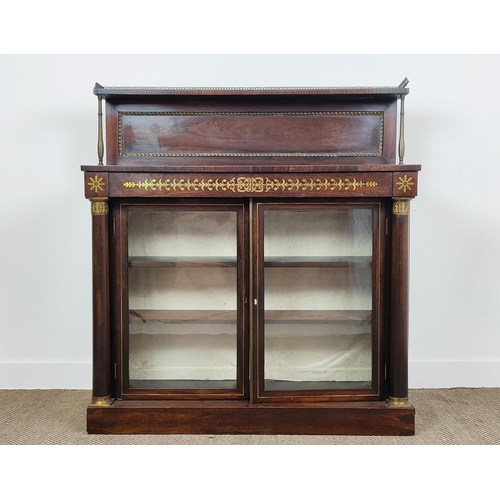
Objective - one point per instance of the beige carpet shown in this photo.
(443, 416)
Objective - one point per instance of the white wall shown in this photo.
(48, 129)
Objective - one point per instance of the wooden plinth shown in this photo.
(148, 417)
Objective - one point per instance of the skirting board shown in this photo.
(46, 375)
(422, 375)
(447, 374)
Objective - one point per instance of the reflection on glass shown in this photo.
(182, 299)
(318, 299)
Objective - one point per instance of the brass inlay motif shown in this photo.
(96, 183)
(401, 207)
(251, 184)
(405, 183)
(99, 207)
(380, 114)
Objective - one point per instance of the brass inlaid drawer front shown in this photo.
(254, 185)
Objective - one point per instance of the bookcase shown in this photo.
(250, 261)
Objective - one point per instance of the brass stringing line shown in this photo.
(288, 155)
(243, 113)
(381, 135)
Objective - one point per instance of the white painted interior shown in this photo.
(48, 128)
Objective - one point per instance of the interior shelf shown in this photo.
(316, 316)
(289, 261)
(281, 261)
(271, 316)
(182, 262)
(183, 316)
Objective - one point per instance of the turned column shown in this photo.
(398, 340)
(101, 352)
(97, 192)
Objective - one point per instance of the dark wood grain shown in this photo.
(232, 129)
(254, 167)
(171, 134)
(374, 418)
(116, 283)
(101, 340)
(398, 334)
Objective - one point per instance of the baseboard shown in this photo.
(446, 374)
(422, 375)
(45, 375)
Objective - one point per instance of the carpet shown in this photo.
(466, 416)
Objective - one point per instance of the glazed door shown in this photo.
(183, 300)
(317, 292)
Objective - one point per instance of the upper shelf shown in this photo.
(224, 91)
(233, 127)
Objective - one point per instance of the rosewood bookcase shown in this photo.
(250, 261)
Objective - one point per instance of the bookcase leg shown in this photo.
(101, 381)
(398, 341)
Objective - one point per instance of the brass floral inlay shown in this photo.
(251, 184)
(96, 183)
(405, 183)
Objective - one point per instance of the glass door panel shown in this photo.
(318, 298)
(182, 298)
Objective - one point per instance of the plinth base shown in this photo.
(228, 417)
